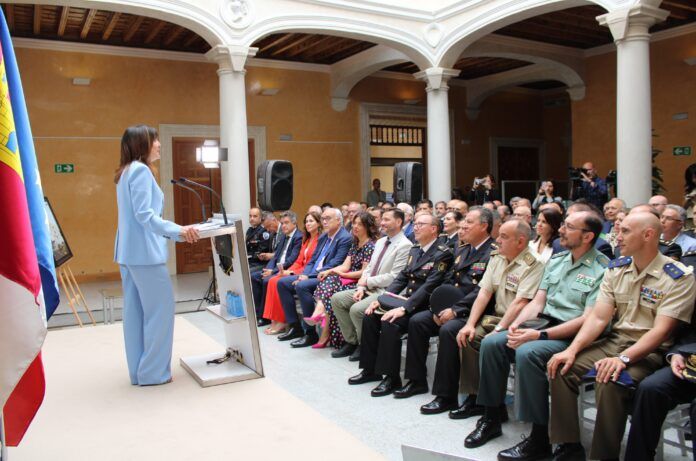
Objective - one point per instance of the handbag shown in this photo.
(346, 281)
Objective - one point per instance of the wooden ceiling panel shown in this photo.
(314, 48)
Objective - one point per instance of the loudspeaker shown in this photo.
(274, 185)
(408, 182)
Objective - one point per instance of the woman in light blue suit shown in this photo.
(141, 252)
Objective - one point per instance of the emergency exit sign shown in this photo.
(681, 150)
(64, 168)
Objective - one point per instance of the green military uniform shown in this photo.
(666, 288)
(518, 279)
(571, 287)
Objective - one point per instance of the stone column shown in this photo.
(439, 143)
(233, 126)
(629, 27)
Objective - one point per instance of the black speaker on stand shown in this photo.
(408, 182)
(274, 185)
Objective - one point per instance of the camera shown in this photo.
(575, 173)
(478, 182)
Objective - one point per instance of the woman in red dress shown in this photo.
(273, 310)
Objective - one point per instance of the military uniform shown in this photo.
(518, 279)
(381, 341)
(258, 240)
(466, 273)
(665, 287)
(571, 287)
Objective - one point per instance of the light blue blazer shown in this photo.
(142, 233)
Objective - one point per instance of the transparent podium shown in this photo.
(241, 359)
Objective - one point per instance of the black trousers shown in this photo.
(421, 328)
(655, 397)
(380, 345)
(258, 289)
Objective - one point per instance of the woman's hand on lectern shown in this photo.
(189, 233)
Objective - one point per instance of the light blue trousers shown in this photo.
(148, 322)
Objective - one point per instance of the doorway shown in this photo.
(517, 166)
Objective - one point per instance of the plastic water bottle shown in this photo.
(239, 306)
(229, 303)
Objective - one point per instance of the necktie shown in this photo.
(322, 255)
(284, 253)
(379, 258)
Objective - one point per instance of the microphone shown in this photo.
(174, 181)
(222, 207)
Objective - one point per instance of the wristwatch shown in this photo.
(543, 335)
(625, 359)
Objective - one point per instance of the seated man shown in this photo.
(647, 294)
(332, 249)
(513, 276)
(601, 244)
(388, 259)
(286, 253)
(568, 290)
(673, 218)
(470, 261)
(380, 344)
(258, 240)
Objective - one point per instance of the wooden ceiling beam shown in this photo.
(174, 33)
(341, 47)
(329, 43)
(37, 19)
(88, 22)
(291, 44)
(349, 51)
(110, 26)
(308, 48)
(135, 25)
(10, 13)
(191, 40)
(159, 25)
(278, 41)
(63, 20)
(679, 5)
(601, 33)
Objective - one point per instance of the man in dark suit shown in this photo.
(286, 253)
(380, 345)
(470, 261)
(332, 249)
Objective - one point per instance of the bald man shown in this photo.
(659, 202)
(592, 187)
(649, 295)
(666, 247)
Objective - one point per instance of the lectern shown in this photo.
(241, 334)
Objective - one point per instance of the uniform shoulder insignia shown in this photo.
(559, 254)
(443, 248)
(417, 245)
(620, 262)
(689, 253)
(529, 259)
(494, 252)
(602, 260)
(666, 242)
(494, 246)
(673, 271)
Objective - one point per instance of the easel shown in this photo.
(73, 292)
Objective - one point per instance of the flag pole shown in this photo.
(3, 446)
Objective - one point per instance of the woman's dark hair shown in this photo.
(554, 219)
(317, 217)
(689, 178)
(136, 144)
(368, 222)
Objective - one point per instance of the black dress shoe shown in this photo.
(467, 410)
(438, 405)
(305, 341)
(355, 356)
(295, 331)
(344, 351)
(262, 322)
(386, 387)
(569, 452)
(485, 431)
(527, 450)
(364, 377)
(411, 389)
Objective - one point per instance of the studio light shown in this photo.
(210, 154)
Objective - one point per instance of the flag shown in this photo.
(22, 320)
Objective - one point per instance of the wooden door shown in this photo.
(521, 163)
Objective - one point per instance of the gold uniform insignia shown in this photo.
(529, 259)
(456, 261)
(442, 267)
(410, 258)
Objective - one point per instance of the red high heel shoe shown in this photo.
(314, 320)
(320, 345)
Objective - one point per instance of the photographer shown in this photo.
(545, 195)
(483, 190)
(592, 188)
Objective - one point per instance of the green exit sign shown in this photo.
(64, 168)
(681, 150)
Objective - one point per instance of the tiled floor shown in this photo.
(320, 381)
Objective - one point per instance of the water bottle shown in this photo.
(229, 303)
(239, 307)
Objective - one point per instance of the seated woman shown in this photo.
(343, 277)
(273, 310)
(545, 195)
(549, 220)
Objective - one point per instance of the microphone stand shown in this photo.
(176, 182)
(222, 207)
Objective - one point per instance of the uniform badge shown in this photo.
(512, 281)
(442, 267)
(529, 259)
(456, 261)
(650, 296)
(479, 266)
(428, 266)
(265, 235)
(585, 280)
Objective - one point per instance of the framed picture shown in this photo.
(61, 249)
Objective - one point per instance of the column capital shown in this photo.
(436, 77)
(231, 58)
(633, 22)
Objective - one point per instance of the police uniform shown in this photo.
(380, 343)
(466, 273)
(452, 242)
(665, 287)
(518, 279)
(571, 287)
(258, 240)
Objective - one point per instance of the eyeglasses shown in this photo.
(669, 218)
(326, 218)
(421, 224)
(573, 228)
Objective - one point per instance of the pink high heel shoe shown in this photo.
(320, 345)
(311, 321)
